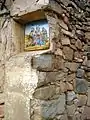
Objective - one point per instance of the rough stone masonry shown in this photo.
(51, 84)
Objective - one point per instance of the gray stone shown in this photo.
(88, 100)
(45, 93)
(55, 76)
(41, 78)
(70, 96)
(71, 110)
(72, 66)
(80, 73)
(68, 52)
(81, 85)
(43, 62)
(47, 77)
(49, 109)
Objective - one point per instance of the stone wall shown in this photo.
(62, 91)
(52, 84)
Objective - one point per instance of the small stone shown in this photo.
(63, 87)
(58, 63)
(67, 33)
(80, 73)
(41, 78)
(78, 44)
(81, 86)
(69, 86)
(77, 54)
(73, 47)
(68, 52)
(62, 117)
(71, 96)
(63, 25)
(71, 110)
(88, 49)
(71, 77)
(82, 99)
(84, 61)
(88, 63)
(73, 41)
(72, 66)
(59, 52)
(65, 41)
(88, 76)
(87, 35)
(88, 56)
(77, 116)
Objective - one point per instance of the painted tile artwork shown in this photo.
(37, 35)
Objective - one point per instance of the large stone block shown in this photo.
(43, 62)
(41, 93)
(49, 109)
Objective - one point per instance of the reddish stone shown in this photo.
(1, 111)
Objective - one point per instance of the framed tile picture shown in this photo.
(37, 35)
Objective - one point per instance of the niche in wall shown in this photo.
(36, 35)
(36, 31)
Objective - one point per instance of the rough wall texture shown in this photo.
(52, 84)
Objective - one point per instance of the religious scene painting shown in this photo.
(37, 35)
